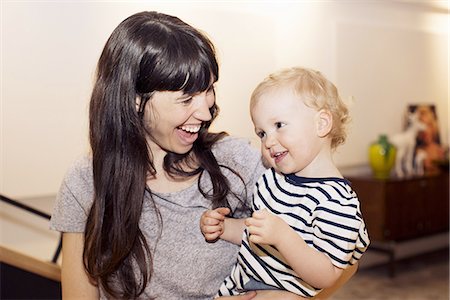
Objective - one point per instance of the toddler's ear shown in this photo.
(324, 122)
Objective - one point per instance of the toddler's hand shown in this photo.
(212, 223)
(266, 228)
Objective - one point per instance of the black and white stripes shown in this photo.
(325, 212)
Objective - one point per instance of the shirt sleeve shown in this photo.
(74, 198)
(339, 231)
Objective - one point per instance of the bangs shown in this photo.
(181, 65)
(190, 76)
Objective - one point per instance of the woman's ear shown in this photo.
(138, 103)
(324, 122)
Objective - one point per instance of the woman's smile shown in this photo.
(188, 133)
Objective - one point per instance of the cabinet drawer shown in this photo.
(401, 209)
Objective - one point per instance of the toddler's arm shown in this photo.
(311, 265)
(214, 224)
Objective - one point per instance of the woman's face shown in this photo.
(173, 120)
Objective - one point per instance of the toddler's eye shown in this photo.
(279, 124)
(261, 134)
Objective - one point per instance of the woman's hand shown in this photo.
(265, 294)
(212, 223)
(247, 296)
(277, 295)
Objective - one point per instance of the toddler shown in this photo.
(306, 225)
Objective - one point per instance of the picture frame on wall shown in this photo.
(428, 150)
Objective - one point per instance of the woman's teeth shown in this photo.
(191, 128)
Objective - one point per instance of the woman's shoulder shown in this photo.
(231, 147)
(74, 197)
(80, 168)
(238, 154)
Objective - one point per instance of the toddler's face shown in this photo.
(287, 130)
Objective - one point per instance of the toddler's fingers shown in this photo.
(212, 229)
(255, 230)
(253, 222)
(255, 239)
(212, 236)
(211, 221)
(222, 211)
(259, 214)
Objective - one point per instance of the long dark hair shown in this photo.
(147, 52)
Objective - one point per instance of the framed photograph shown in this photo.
(428, 150)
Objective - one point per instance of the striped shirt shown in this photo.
(325, 212)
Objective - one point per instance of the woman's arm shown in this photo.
(75, 282)
(346, 275)
(324, 294)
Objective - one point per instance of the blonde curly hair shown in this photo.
(315, 91)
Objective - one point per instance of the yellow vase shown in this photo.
(382, 157)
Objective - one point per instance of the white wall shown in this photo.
(383, 55)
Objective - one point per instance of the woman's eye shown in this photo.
(279, 124)
(187, 100)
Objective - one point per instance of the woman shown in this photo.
(130, 211)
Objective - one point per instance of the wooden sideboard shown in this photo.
(396, 209)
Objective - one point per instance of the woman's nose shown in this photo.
(202, 108)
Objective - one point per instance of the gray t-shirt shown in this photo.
(185, 266)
